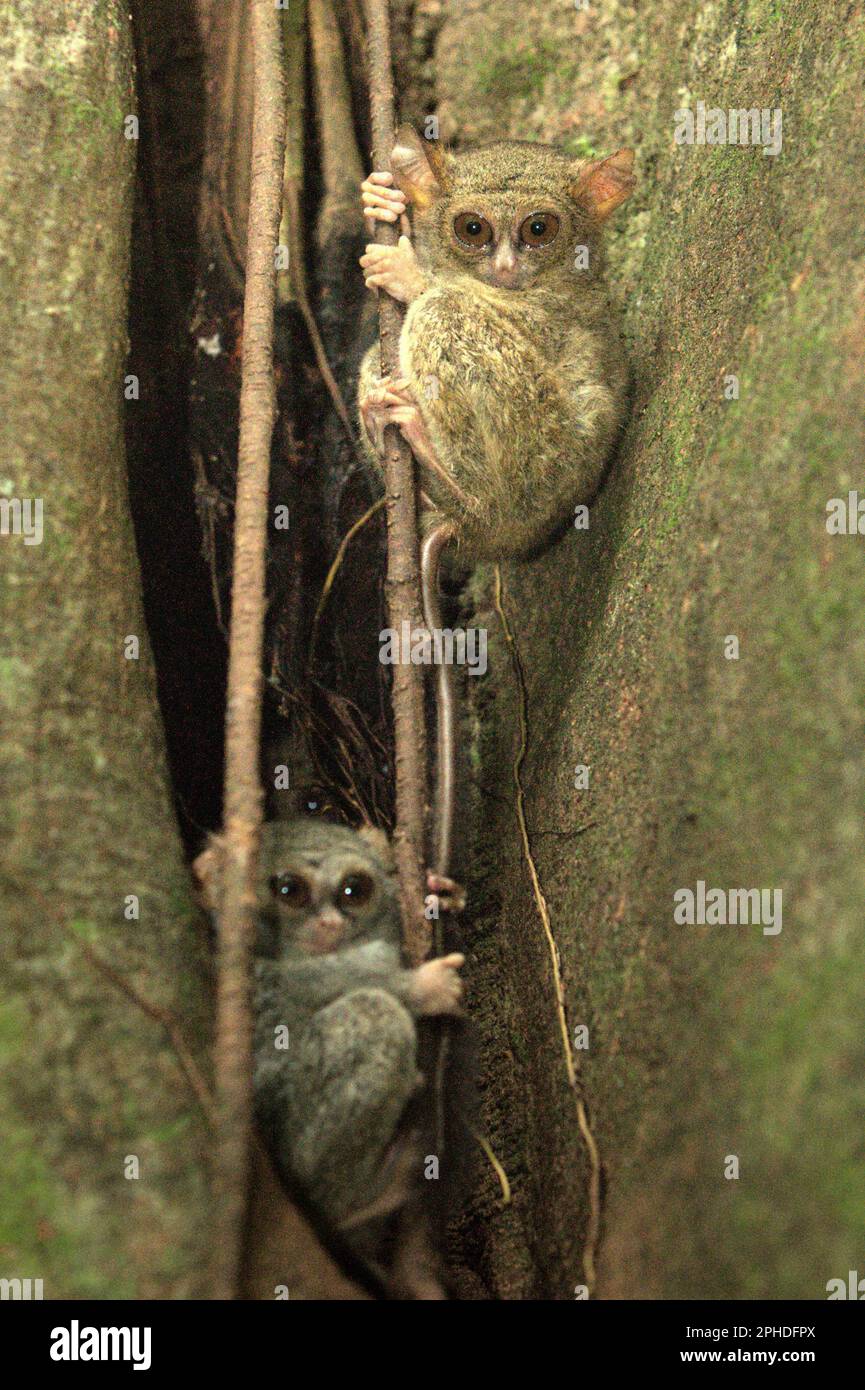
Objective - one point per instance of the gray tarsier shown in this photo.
(335, 1034)
(511, 384)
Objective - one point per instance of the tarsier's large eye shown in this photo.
(472, 229)
(291, 890)
(354, 891)
(539, 229)
(314, 801)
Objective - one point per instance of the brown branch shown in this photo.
(225, 174)
(402, 586)
(341, 167)
(242, 809)
(295, 245)
(291, 284)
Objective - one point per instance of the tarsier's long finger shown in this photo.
(388, 395)
(388, 400)
(377, 385)
(373, 184)
(383, 209)
(374, 252)
(377, 434)
(382, 203)
(377, 418)
(381, 182)
(401, 392)
(370, 411)
(374, 256)
(376, 396)
(450, 894)
(378, 413)
(401, 414)
(384, 213)
(384, 415)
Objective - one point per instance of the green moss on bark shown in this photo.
(709, 1041)
(88, 1078)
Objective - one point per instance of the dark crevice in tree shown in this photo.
(189, 650)
(327, 714)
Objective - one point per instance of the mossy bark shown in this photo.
(89, 1080)
(706, 1041)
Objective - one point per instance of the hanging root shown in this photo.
(335, 567)
(497, 1167)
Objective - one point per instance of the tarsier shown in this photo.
(512, 382)
(336, 1015)
(510, 393)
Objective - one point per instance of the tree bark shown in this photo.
(740, 275)
(103, 1168)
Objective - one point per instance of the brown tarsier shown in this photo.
(336, 1063)
(512, 381)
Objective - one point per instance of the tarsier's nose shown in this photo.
(504, 265)
(326, 930)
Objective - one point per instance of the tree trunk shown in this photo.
(705, 1042)
(99, 936)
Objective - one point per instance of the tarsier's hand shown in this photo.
(436, 987)
(451, 895)
(382, 202)
(395, 269)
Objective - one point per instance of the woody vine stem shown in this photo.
(243, 799)
(403, 583)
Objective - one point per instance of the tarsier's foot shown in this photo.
(437, 988)
(395, 269)
(390, 402)
(374, 413)
(382, 201)
(418, 1285)
(415, 1273)
(414, 431)
(451, 895)
(399, 1173)
(415, 1270)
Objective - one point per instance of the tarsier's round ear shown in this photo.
(207, 872)
(419, 167)
(603, 185)
(379, 844)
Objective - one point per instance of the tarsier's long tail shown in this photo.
(446, 712)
